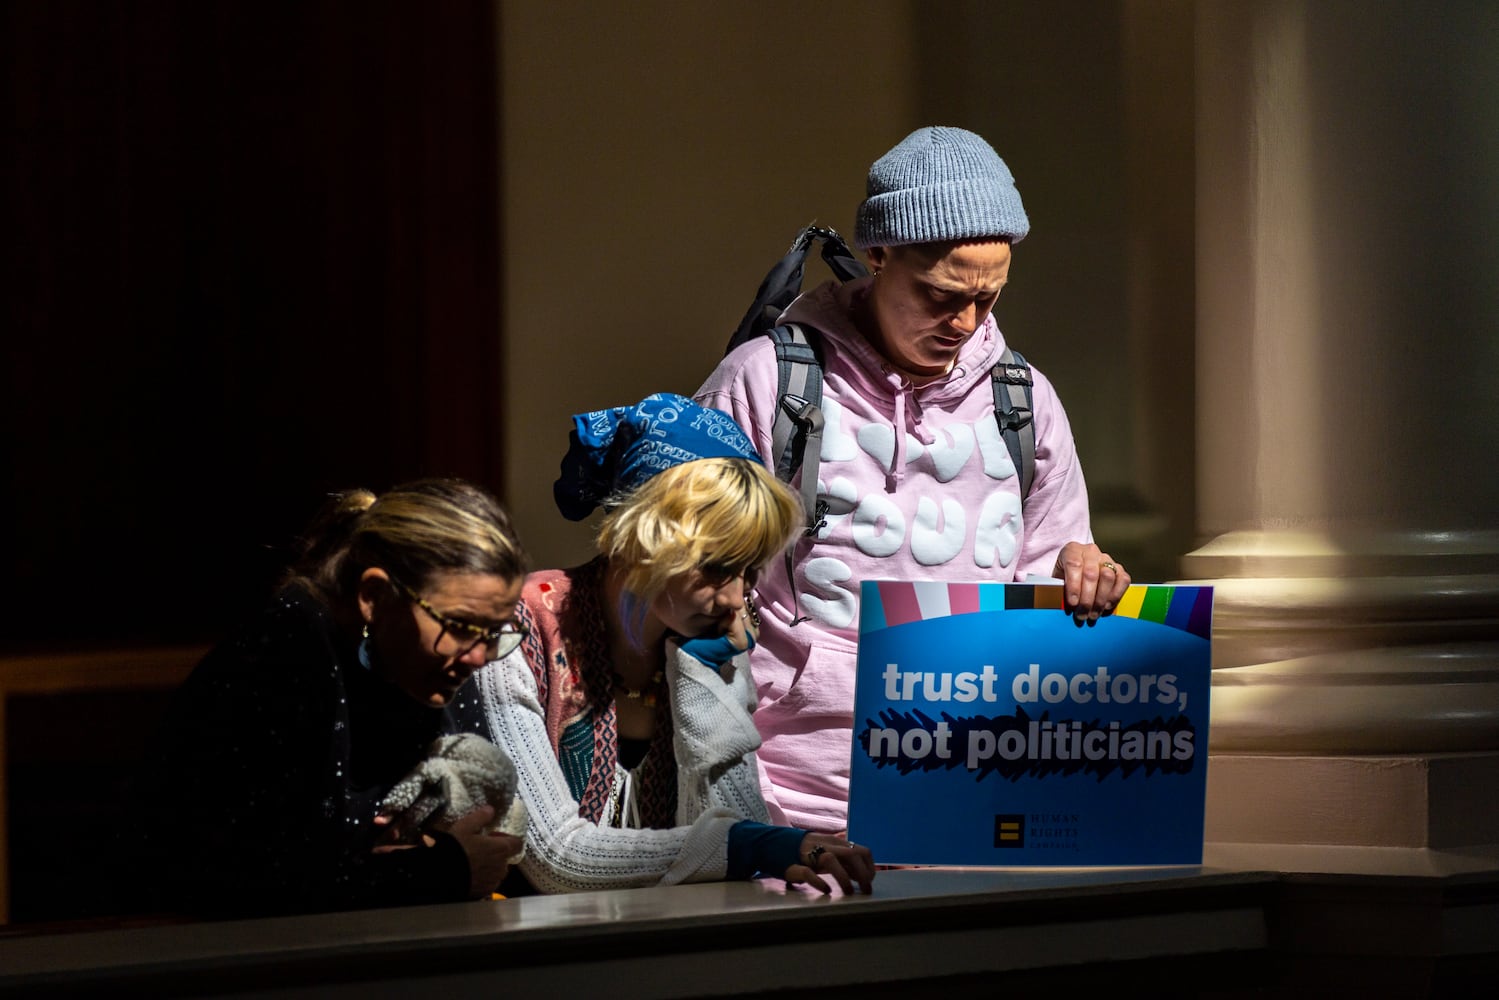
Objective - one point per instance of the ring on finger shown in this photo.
(1108, 566)
(814, 854)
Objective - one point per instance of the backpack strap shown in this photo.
(796, 436)
(784, 281)
(1011, 379)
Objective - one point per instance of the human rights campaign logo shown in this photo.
(1009, 830)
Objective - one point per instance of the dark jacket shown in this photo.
(260, 791)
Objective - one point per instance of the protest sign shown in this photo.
(991, 729)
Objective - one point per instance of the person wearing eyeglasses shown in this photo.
(263, 793)
(626, 708)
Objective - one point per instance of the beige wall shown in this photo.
(659, 156)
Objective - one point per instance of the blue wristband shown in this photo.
(716, 651)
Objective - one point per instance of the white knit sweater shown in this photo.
(717, 782)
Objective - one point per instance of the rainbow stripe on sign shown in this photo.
(1189, 609)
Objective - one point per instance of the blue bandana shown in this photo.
(615, 450)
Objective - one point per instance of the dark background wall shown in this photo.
(250, 256)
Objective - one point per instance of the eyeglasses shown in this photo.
(498, 642)
(718, 575)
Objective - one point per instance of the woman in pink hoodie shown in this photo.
(917, 477)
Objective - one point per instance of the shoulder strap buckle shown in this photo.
(1012, 382)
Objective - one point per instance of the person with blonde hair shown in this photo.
(627, 707)
(264, 791)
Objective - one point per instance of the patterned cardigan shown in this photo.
(592, 824)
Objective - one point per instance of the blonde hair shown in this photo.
(412, 532)
(713, 511)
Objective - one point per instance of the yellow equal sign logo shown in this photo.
(1009, 830)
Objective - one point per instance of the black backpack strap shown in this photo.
(1011, 379)
(796, 436)
(784, 282)
(837, 256)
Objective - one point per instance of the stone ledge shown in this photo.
(1405, 801)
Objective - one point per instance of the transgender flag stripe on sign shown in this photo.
(1188, 609)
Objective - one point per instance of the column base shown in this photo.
(1416, 800)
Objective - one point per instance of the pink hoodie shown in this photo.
(921, 487)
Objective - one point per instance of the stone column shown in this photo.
(1348, 429)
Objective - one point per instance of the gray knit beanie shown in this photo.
(940, 184)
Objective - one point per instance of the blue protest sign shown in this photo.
(989, 729)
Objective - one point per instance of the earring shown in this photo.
(366, 649)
